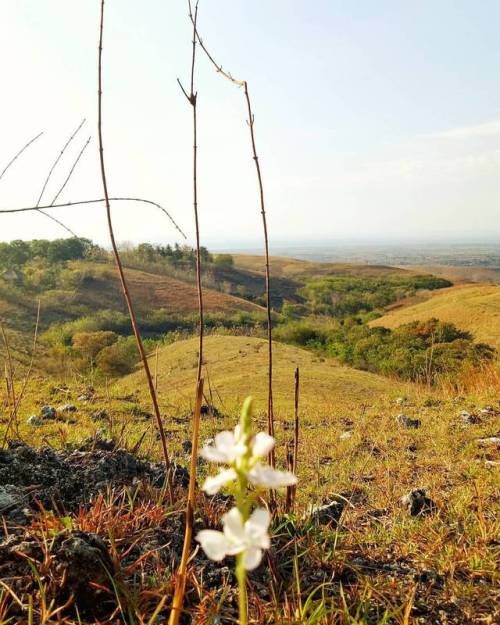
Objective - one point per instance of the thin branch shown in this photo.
(251, 122)
(80, 154)
(270, 408)
(54, 165)
(180, 588)
(14, 158)
(119, 266)
(15, 410)
(219, 68)
(80, 202)
(60, 223)
(192, 98)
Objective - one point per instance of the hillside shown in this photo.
(237, 367)
(83, 287)
(470, 307)
(294, 268)
(460, 273)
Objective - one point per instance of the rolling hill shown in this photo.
(475, 308)
(236, 366)
(294, 268)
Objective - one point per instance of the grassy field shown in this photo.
(475, 308)
(282, 266)
(460, 274)
(236, 366)
(386, 563)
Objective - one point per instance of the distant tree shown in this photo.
(89, 344)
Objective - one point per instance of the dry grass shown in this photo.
(475, 308)
(390, 567)
(236, 367)
(152, 291)
(460, 274)
(285, 267)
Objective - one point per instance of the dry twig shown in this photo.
(119, 266)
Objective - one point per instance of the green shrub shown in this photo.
(118, 359)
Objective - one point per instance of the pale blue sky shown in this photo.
(374, 119)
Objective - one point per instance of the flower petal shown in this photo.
(262, 444)
(212, 454)
(213, 543)
(256, 528)
(212, 485)
(252, 558)
(234, 530)
(261, 475)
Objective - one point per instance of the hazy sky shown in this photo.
(375, 119)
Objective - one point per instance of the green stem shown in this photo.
(241, 576)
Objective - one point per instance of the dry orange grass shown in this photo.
(152, 291)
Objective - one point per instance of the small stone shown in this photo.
(408, 422)
(48, 412)
(100, 415)
(84, 397)
(187, 446)
(491, 464)
(490, 441)
(67, 408)
(468, 418)
(417, 502)
(329, 513)
(488, 411)
(34, 421)
(345, 435)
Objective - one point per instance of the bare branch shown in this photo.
(80, 154)
(54, 165)
(119, 266)
(14, 158)
(80, 202)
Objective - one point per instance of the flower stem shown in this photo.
(241, 576)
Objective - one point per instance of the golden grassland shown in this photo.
(285, 267)
(475, 308)
(460, 274)
(372, 468)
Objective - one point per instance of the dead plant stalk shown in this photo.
(119, 266)
(251, 123)
(192, 98)
(180, 589)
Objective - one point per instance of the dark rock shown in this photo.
(187, 446)
(408, 422)
(74, 477)
(417, 502)
(328, 513)
(79, 561)
(48, 412)
(209, 410)
(34, 421)
(468, 418)
(100, 415)
(12, 504)
(65, 408)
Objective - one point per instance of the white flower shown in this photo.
(248, 538)
(267, 477)
(229, 447)
(262, 444)
(212, 485)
